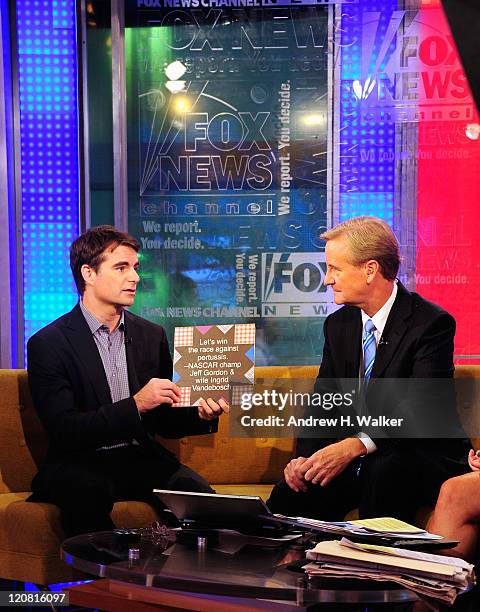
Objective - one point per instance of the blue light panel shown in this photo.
(47, 72)
(367, 144)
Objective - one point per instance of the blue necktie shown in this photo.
(369, 349)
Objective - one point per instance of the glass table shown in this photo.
(222, 564)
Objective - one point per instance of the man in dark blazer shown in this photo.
(382, 332)
(100, 379)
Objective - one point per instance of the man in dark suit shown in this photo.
(382, 332)
(100, 379)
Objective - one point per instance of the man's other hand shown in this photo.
(327, 463)
(210, 409)
(157, 391)
(293, 475)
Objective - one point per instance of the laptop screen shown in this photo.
(213, 508)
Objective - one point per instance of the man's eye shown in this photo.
(121, 268)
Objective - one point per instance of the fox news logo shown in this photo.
(293, 278)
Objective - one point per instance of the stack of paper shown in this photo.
(434, 576)
(375, 527)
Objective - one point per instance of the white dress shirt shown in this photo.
(379, 319)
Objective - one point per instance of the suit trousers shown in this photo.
(389, 482)
(86, 487)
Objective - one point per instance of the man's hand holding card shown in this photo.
(210, 409)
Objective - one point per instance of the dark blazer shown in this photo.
(72, 397)
(417, 343)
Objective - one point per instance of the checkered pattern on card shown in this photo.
(183, 336)
(244, 333)
(185, 393)
(238, 391)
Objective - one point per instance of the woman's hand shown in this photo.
(474, 460)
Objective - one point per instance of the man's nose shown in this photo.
(328, 279)
(135, 277)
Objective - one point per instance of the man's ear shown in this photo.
(372, 267)
(88, 274)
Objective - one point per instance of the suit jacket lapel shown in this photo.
(395, 329)
(353, 344)
(133, 344)
(80, 337)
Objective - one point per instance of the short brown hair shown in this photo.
(369, 238)
(89, 248)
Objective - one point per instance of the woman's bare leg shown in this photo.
(457, 514)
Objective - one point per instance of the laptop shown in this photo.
(246, 513)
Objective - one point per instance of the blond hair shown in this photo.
(369, 238)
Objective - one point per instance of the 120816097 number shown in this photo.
(33, 598)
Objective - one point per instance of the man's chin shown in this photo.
(127, 300)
